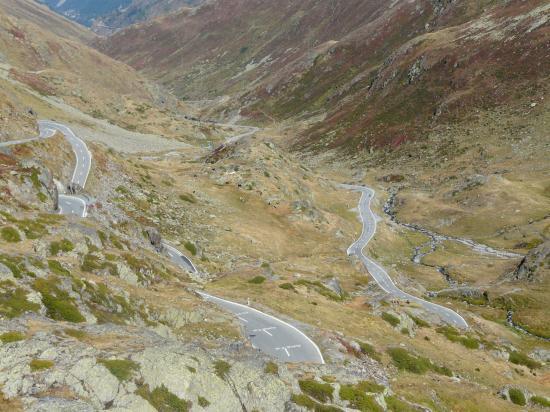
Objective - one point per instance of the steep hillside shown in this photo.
(351, 64)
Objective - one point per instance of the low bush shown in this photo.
(517, 397)
(222, 368)
(257, 280)
(395, 404)
(272, 368)
(454, 336)
(123, 369)
(63, 245)
(14, 303)
(540, 401)
(358, 399)
(10, 337)
(421, 323)
(521, 359)
(203, 402)
(10, 234)
(191, 248)
(321, 391)
(306, 402)
(415, 364)
(370, 387)
(287, 286)
(188, 197)
(40, 364)
(163, 400)
(59, 305)
(391, 319)
(57, 268)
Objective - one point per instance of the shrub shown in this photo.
(191, 369)
(521, 359)
(163, 400)
(391, 319)
(306, 402)
(540, 401)
(421, 323)
(454, 336)
(191, 248)
(57, 268)
(358, 399)
(320, 391)
(10, 234)
(40, 364)
(272, 368)
(63, 245)
(257, 280)
(287, 286)
(15, 303)
(415, 364)
(123, 369)
(517, 397)
(9, 337)
(222, 368)
(203, 402)
(75, 333)
(59, 305)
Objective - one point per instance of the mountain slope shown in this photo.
(107, 16)
(352, 63)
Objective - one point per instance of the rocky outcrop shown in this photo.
(532, 264)
(155, 238)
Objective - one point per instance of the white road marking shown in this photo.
(266, 330)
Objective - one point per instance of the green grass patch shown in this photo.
(540, 401)
(14, 303)
(163, 400)
(308, 403)
(64, 245)
(57, 268)
(40, 364)
(188, 197)
(358, 399)
(391, 319)
(320, 289)
(42, 197)
(75, 333)
(421, 323)
(397, 405)
(454, 336)
(287, 286)
(272, 368)
(59, 305)
(10, 234)
(257, 280)
(519, 358)
(517, 397)
(404, 360)
(221, 368)
(123, 369)
(191, 248)
(321, 391)
(9, 337)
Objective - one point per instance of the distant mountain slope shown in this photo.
(377, 72)
(108, 15)
(40, 15)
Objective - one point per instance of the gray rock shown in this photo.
(334, 285)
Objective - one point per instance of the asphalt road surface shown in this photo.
(379, 274)
(179, 258)
(271, 335)
(70, 204)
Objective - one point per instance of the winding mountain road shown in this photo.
(378, 273)
(265, 332)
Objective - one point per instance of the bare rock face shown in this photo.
(155, 238)
(532, 265)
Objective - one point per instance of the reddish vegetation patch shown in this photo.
(17, 33)
(34, 81)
